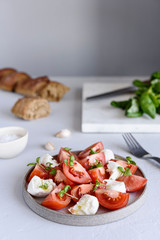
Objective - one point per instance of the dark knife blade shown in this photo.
(113, 93)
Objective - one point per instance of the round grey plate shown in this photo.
(103, 215)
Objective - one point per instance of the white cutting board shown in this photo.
(100, 116)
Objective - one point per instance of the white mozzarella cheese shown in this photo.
(115, 185)
(47, 158)
(112, 168)
(39, 187)
(87, 205)
(108, 154)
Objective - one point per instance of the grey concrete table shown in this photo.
(17, 221)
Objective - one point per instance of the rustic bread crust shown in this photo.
(9, 82)
(30, 108)
(53, 91)
(6, 71)
(31, 87)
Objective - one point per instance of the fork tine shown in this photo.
(134, 141)
(127, 141)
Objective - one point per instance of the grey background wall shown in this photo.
(80, 37)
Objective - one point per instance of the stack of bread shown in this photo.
(37, 92)
(20, 82)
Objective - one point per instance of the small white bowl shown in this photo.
(12, 148)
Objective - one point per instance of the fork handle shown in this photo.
(157, 159)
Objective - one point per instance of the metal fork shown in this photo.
(136, 149)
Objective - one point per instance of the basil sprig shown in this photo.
(34, 163)
(126, 172)
(146, 99)
(130, 161)
(97, 184)
(68, 149)
(64, 190)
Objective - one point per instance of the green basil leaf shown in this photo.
(53, 171)
(127, 172)
(120, 104)
(37, 159)
(29, 164)
(65, 161)
(68, 149)
(133, 108)
(155, 75)
(147, 105)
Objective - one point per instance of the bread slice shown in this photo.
(30, 108)
(31, 87)
(9, 82)
(53, 91)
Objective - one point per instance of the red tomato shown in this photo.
(60, 177)
(54, 201)
(133, 182)
(124, 164)
(76, 173)
(39, 171)
(99, 173)
(63, 154)
(79, 190)
(91, 160)
(97, 147)
(112, 199)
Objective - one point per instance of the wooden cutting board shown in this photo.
(100, 116)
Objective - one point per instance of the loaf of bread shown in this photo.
(30, 108)
(6, 71)
(31, 87)
(53, 91)
(11, 80)
(22, 83)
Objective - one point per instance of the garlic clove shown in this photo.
(49, 146)
(63, 133)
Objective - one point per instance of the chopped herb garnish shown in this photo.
(53, 171)
(71, 163)
(49, 167)
(48, 163)
(126, 172)
(92, 151)
(121, 169)
(31, 164)
(37, 161)
(68, 149)
(130, 161)
(64, 190)
(44, 186)
(65, 161)
(95, 166)
(97, 184)
(97, 161)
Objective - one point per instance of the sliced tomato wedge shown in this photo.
(79, 190)
(125, 165)
(133, 182)
(97, 147)
(60, 177)
(39, 171)
(112, 199)
(76, 173)
(64, 154)
(97, 173)
(93, 160)
(54, 201)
